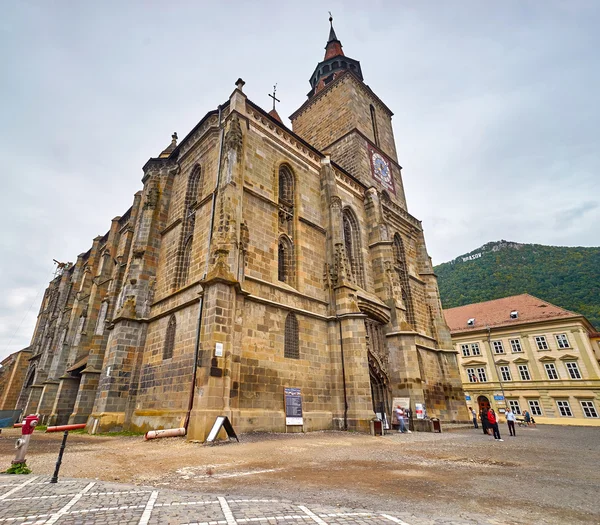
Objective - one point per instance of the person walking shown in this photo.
(494, 424)
(510, 419)
(400, 418)
(474, 416)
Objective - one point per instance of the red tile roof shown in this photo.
(497, 313)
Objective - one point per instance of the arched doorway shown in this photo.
(380, 389)
(483, 402)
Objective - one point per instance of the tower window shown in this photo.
(291, 343)
(401, 268)
(285, 260)
(374, 122)
(170, 339)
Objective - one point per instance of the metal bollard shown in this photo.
(66, 429)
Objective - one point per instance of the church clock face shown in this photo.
(381, 169)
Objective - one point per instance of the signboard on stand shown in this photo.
(293, 407)
(420, 410)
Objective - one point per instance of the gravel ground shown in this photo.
(547, 474)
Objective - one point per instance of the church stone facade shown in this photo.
(255, 258)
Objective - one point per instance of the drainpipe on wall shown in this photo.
(209, 243)
(489, 340)
(343, 376)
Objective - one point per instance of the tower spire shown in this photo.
(334, 46)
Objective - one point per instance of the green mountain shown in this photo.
(566, 277)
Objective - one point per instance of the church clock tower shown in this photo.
(345, 119)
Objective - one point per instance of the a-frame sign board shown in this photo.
(221, 422)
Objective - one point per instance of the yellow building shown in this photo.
(530, 355)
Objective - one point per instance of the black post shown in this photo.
(60, 455)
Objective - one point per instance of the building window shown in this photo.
(402, 270)
(534, 407)
(505, 373)
(101, 319)
(285, 260)
(551, 371)
(286, 200)
(291, 339)
(186, 259)
(170, 339)
(524, 373)
(472, 376)
(465, 350)
(352, 246)
(540, 341)
(589, 410)
(498, 347)
(514, 406)
(374, 122)
(475, 350)
(562, 340)
(515, 345)
(564, 408)
(573, 370)
(481, 375)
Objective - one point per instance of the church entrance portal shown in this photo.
(380, 390)
(483, 402)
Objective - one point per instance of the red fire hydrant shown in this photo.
(29, 423)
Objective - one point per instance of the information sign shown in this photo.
(293, 407)
(499, 398)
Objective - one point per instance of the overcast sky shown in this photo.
(496, 113)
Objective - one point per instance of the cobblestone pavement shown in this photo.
(29, 500)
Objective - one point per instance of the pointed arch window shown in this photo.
(286, 200)
(192, 195)
(291, 337)
(352, 247)
(285, 260)
(402, 269)
(374, 123)
(101, 318)
(170, 338)
(186, 259)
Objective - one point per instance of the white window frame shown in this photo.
(551, 371)
(465, 350)
(562, 341)
(589, 409)
(505, 373)
(524, 371)
(475, 350)
(515, 346)
(482, 375)
(498, 347)
(573, 370)
(534, 407)
(541, 342)
(514, 406)
(472, 375)
(564, 408)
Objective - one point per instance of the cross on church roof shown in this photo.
(274, 97)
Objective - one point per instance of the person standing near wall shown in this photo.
(510, 419)
(474, 416)
(484, 420)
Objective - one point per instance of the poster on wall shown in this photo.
(420, 410)
(293, 407)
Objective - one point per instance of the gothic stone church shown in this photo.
(255, 258)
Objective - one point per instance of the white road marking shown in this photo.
(18, 487)
(310, 513)
(226, 511)
(395, 520)
(55, 517)
(148, 510)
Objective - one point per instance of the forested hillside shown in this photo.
(566, 277)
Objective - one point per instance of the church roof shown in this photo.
(508, 311)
